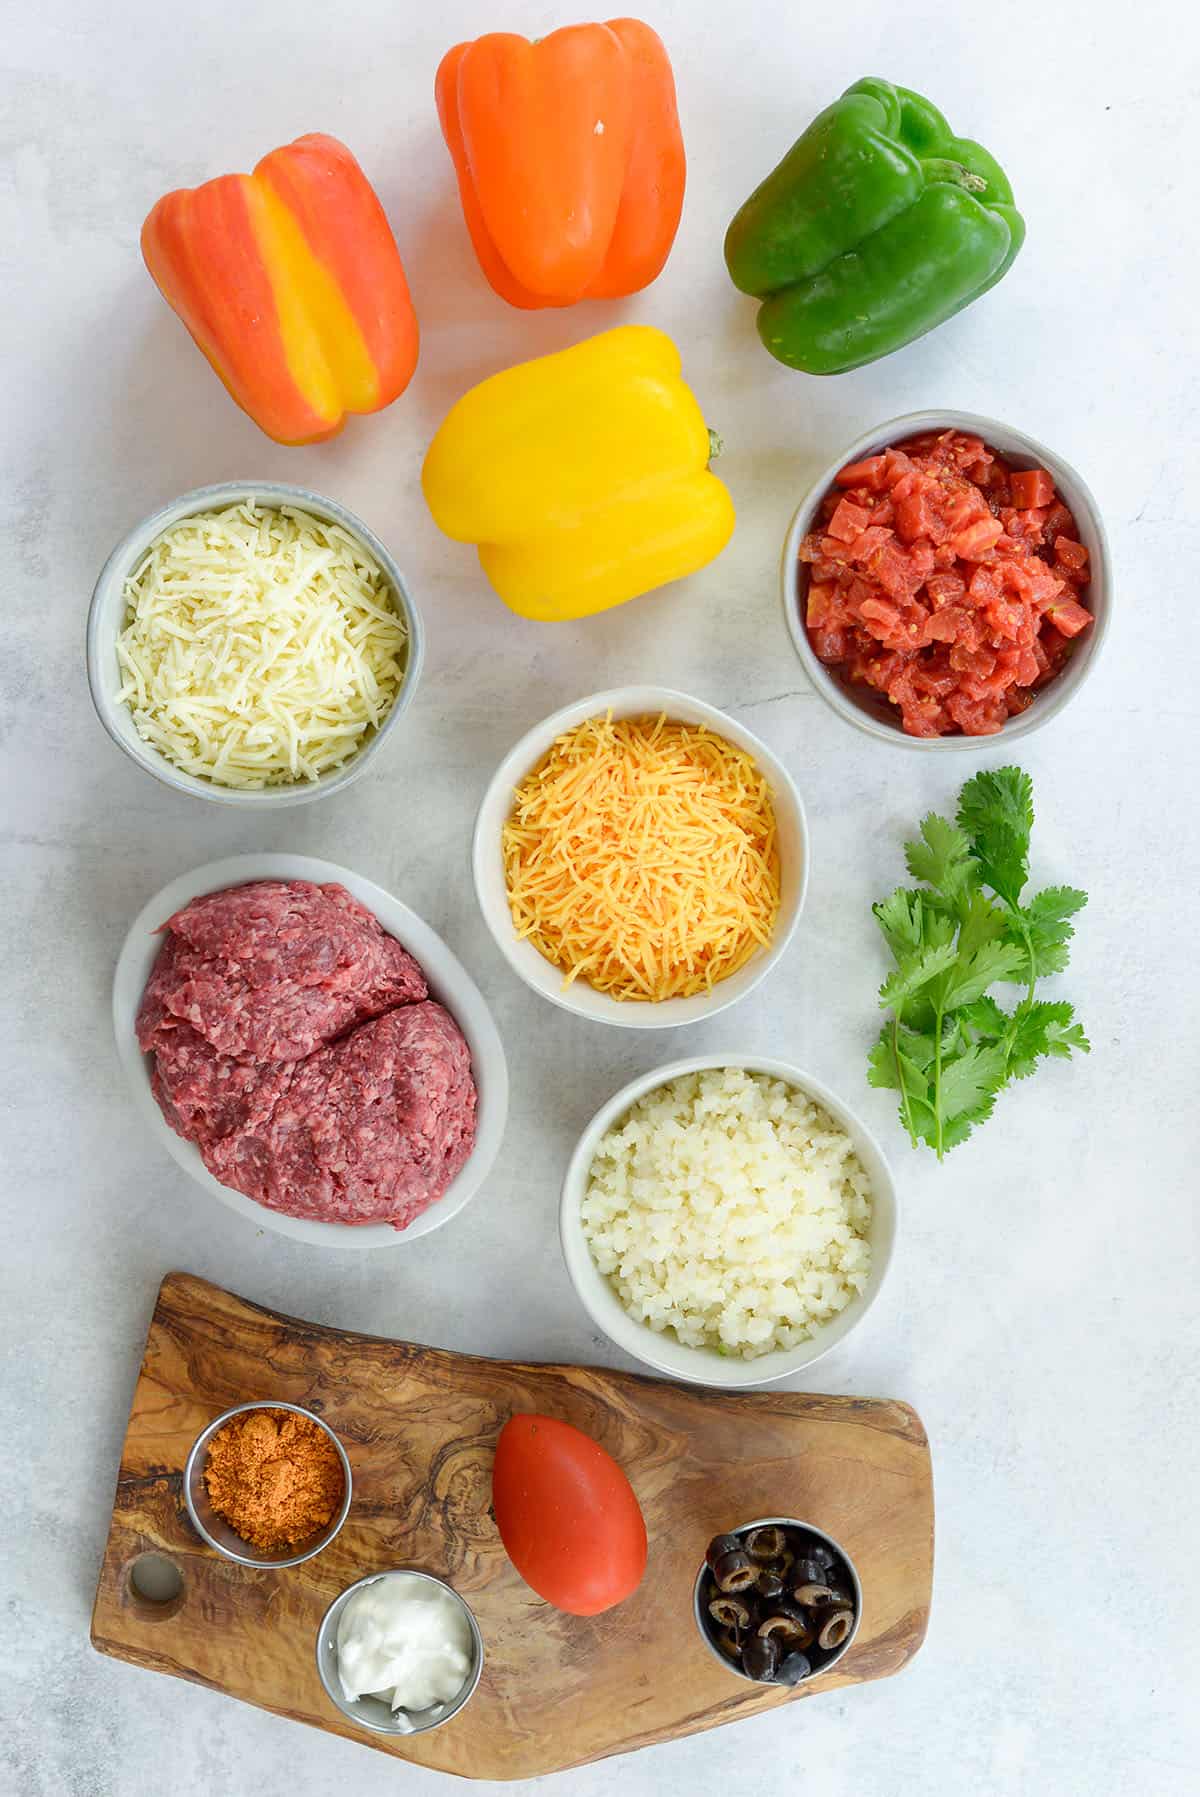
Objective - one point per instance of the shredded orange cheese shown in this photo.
(640, 856)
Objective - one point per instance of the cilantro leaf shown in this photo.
(914, 972)
(982, 1017)
(955, 1133)
(942, 858)
(1044, 930)
(974, 973)
(1043, 1029)
(949, 1047)
(981, 922)
(996, 811)
(899, 1062)
(970, 1079)
(902, 920)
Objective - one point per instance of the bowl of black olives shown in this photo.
(777, 1601)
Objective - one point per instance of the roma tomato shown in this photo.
(567, 1516)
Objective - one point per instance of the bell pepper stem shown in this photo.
(942, 168)
(716, 443)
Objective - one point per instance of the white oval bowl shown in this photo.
(491, 889)
(107, 613)
(704, 1366)
(449, 983)
(871, 713)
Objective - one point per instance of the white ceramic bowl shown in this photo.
(488, 867)
(106, 617)
(449, 983)
(876, 715)
(704, 1366)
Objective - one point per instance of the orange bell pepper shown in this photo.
(569, 158)
(290, 281)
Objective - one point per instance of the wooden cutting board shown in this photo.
(420, 1426)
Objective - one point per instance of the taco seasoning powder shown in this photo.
(274, 1477)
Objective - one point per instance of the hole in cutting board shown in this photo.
(154, 1585)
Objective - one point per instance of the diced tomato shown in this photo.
(1032, 487)
(973, 543)
(918, 516)
(986, 584)
(977, 717)
(1068, 617)
(1005, 616)
(863, 474)
(1070, 555)
(944, 589)
(935, 678)
(848, 521)
(820, 605)
(867, 542)
(829, 645)
(945, 626)
(932, 581)
(1058, 522)
(1024, 527)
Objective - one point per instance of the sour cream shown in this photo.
(406, 1641)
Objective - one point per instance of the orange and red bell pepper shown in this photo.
(569, 158)
(291, 283)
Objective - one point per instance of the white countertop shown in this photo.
(1042, 1316)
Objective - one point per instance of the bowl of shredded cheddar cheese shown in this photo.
(640, 858)
(252, 643)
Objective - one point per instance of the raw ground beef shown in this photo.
(365, 1128)
(270, 971)
(294, 1043)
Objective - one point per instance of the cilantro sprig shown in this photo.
(949, 1047)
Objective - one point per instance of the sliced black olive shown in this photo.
(824, 1556)
(793, 1669)
(806, 1621)
(789, 1631)
(768, 1583)
(729, 1643)
(766, 1544)
(814, 1596)
(721, 1544)
(835, 1628)
(760, 1656)
(810, 1572)
(733, 1571)
(730, 1613)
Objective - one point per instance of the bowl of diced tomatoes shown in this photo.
(947, 578)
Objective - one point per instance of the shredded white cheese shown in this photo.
(261, 645)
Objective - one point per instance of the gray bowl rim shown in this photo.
(200, 1446)
(839, 1653)
(333, 1611)
(120, 563)
(1057, 695)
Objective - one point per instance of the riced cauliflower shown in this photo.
(730, 1209)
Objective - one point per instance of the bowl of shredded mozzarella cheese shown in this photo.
(252, 643)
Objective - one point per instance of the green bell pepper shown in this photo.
(877, 225)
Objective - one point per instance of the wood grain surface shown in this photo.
(420, 1426)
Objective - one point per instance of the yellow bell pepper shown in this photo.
(582, 476)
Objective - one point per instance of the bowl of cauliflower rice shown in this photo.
(727, 1220)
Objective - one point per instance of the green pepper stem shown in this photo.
(941, 168)
(716, 443)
